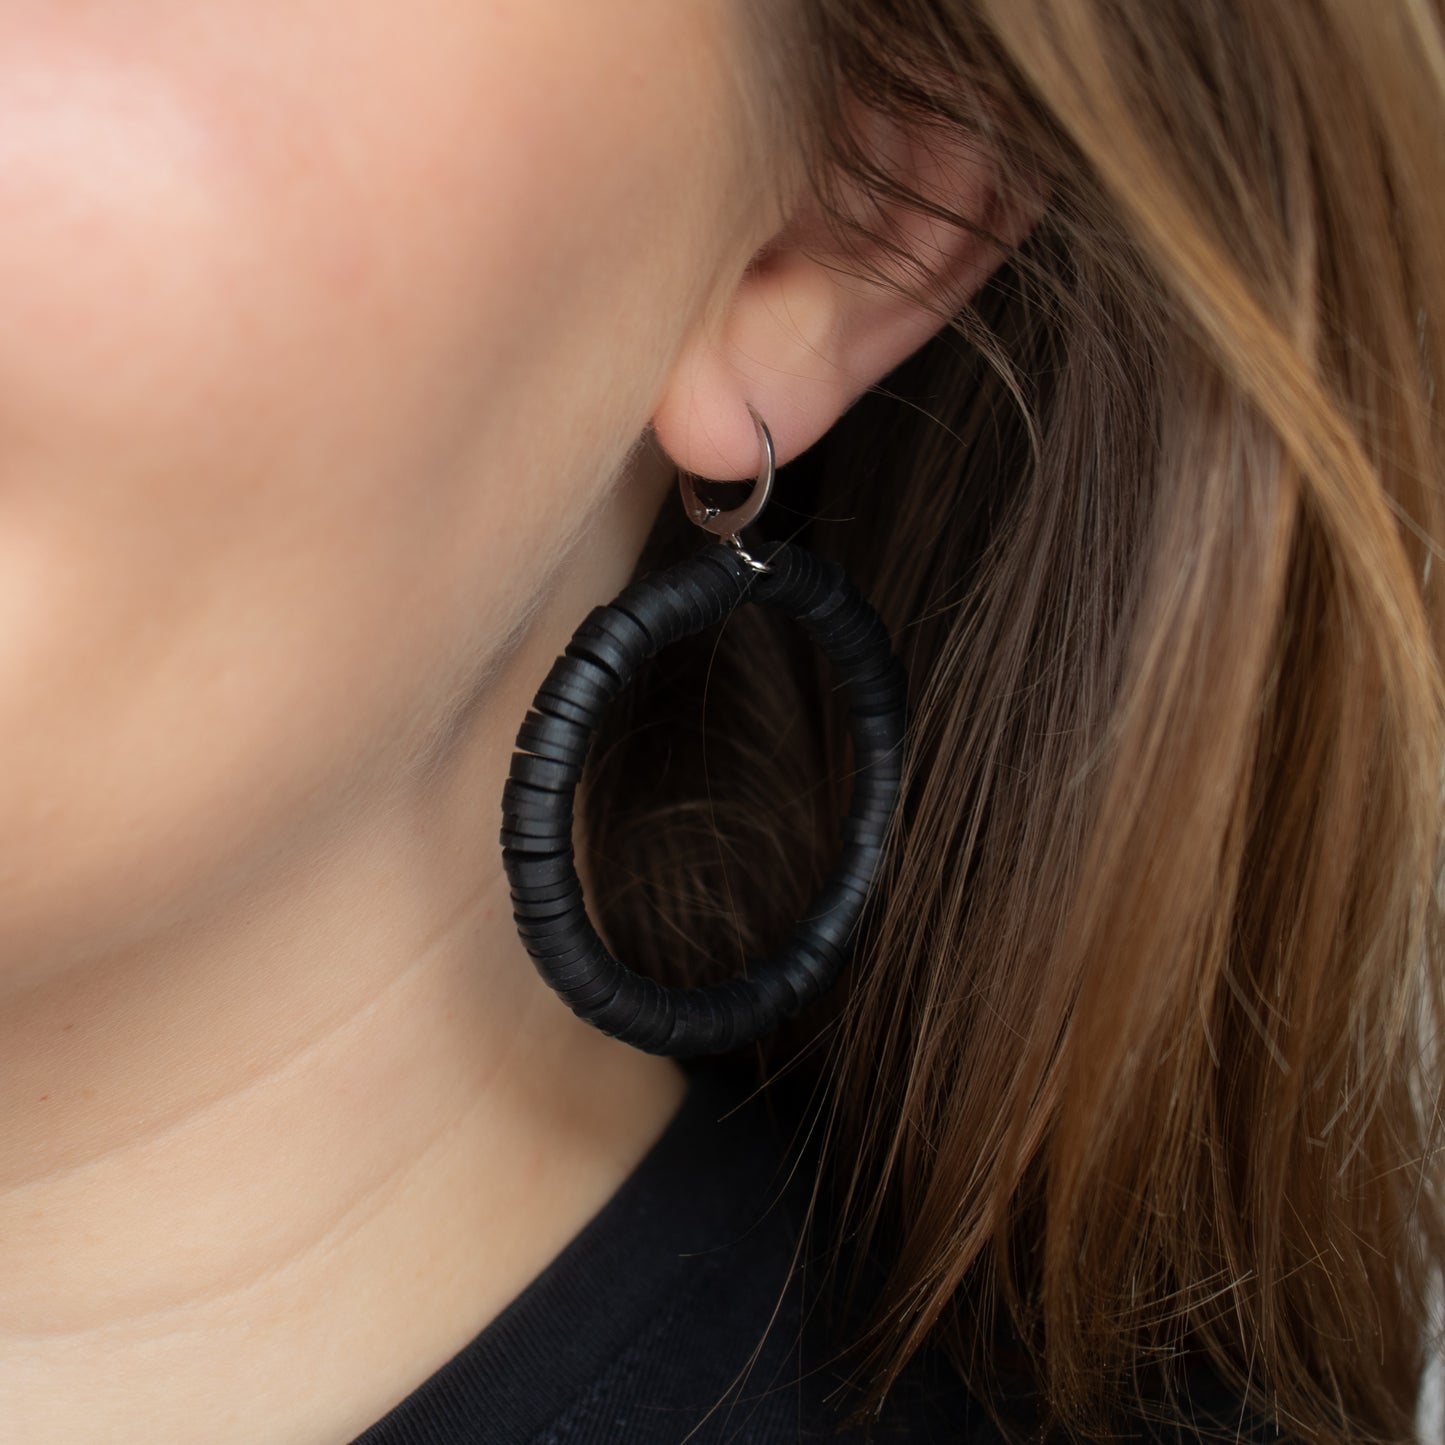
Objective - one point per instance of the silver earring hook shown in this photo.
(726, 525)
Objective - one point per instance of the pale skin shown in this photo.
(328, 353)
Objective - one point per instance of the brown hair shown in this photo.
(1138, 1055)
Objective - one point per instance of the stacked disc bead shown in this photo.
(602, 658)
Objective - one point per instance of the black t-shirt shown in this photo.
(676, 1315)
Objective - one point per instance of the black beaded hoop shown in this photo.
(600, 660)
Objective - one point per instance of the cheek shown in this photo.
(279, 338)
(191, 242)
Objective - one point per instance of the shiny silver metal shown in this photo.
(725, 525)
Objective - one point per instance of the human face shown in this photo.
(324, 336)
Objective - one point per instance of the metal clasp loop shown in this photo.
(726, 524)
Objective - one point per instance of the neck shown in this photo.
(268, 1166)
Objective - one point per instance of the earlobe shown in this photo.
(780, 348)
(803, 337)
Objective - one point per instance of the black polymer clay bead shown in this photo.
(552, 744)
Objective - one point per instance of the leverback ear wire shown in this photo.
(726, 525)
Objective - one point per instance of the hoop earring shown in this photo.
(601, 659)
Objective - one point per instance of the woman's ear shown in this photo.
(801, 338)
